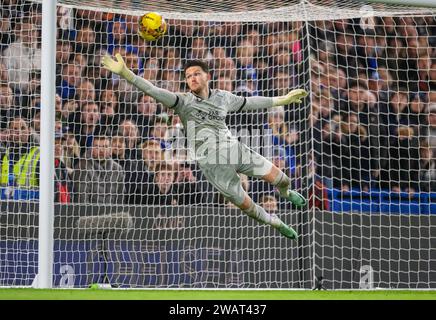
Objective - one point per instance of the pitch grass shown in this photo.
(101, 294)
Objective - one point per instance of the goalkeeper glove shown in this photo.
(119, 67)
(293, 96)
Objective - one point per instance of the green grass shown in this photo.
(101, 294)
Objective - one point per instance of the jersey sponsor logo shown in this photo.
(210, 115)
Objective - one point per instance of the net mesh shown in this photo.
(133, 211)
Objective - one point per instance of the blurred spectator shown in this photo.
(109, 116)
(142, 173)
(432, 77)
(101, 76)
(146, 109)
(381, 84)
(224, 83)
(282, 61)
(245, 63)
(130, 132)
(170, 80)
(71, 151)
(323, 111)
(84, 124)
(219, 53)
(151, 70)
(162, 190)
(282, 134)
(269, 203)
(81, 61)
(417, 112)
(85, 92)
(423, 80)
(200, 51)
(226, 67)
(345, 55)
(253, 35)
(337, 81)
(7, 107)
(58, 106)
(403, 164)
(4, 77)
(128, 93)
(356, 100)
(172, 60)
(35, 127)
(431, 129)
(117, 37)
(355, 157)
(69, 108)
(397, 111)
(20, 159)
(63, 184)
(6, 36)
(118, 147)
(63, 54)
(271, 45)
(281, 83)
(159, 130)
(152, 155)
(179, 33)
(98, 178)
(225, 34)
(366, 51)
(70, 78)
(23, 57)
(427, 169)
(85, 42)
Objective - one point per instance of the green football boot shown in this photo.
(287, 231)
(284, 229)
(295, 197)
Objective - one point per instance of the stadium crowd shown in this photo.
(370, 119)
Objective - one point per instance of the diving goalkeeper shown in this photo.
(220, 155)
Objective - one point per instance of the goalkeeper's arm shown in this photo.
(167, 98)
(294, 96)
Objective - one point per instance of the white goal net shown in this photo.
(133, 211)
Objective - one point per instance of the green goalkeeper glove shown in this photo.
(293, 96)
(119, 67)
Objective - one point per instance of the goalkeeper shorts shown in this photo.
(221, 168)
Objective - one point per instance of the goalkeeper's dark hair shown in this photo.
(196, 63)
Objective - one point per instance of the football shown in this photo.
(152, 26)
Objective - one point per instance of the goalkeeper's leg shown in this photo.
(255, 165)
(227, 181)
(253, 210)
(283, 183)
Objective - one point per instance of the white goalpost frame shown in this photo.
(418, 3)
(46, 203)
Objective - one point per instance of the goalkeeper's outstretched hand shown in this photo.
(119, 67)
(293, 96)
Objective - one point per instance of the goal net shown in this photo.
(132, 208)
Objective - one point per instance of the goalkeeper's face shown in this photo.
(197, 79)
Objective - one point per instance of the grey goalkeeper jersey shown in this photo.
(203, 119)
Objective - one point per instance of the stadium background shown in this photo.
(361, 148)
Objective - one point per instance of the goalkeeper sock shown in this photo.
(259, 214)
(282, 182)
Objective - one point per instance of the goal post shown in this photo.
(131, 210)
(44, 278)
